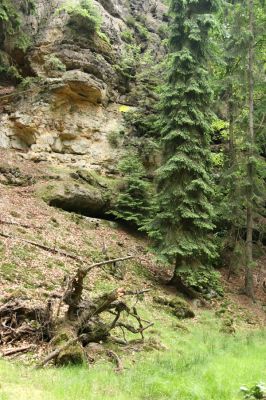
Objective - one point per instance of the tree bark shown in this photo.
(177, 281)
(232, 163)
(249, 284)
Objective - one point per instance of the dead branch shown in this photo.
(136, 292)
(22, 225)
(118, 340)
(132, 329)
(73, 294)
(135, 314)
(104, 303)
(18, 350)
(57, 351)
(99, 264)
(43, 247)
(118, 362)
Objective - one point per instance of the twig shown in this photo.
(132, 329)
(136, 292)
(99, 264)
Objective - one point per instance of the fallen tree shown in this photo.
(77, 320)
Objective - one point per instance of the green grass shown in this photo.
(201, 365)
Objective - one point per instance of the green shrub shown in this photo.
(22, 41)
(130, 21)
(127, 36)
(8, 70)
(84, 16)
(54, 63)
(27, 82)
(114, 138)
(9, 16)
(103, 36)
(139, 27)
(163, 31)
(142, 31)
(204, 280)
(128, 64)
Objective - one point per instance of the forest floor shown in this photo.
(191, 360)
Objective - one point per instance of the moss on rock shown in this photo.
(177, 306)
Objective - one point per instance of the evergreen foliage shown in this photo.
(183, 222)
(133, 201)
(232, 91)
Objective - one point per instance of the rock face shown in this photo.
(76, 85)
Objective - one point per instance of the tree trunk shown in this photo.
(249, 284)
(231, 167)
(177, 281)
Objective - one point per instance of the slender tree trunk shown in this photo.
(249, 284)
(231, 128)
(231, 166)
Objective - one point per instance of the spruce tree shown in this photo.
(183, 224)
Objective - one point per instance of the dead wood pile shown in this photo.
(70, 321)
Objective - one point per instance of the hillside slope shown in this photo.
(25, 215)
(189, 358)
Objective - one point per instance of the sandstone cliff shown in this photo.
(65, 85)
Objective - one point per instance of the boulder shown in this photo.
(80, 198)
(176, 305)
